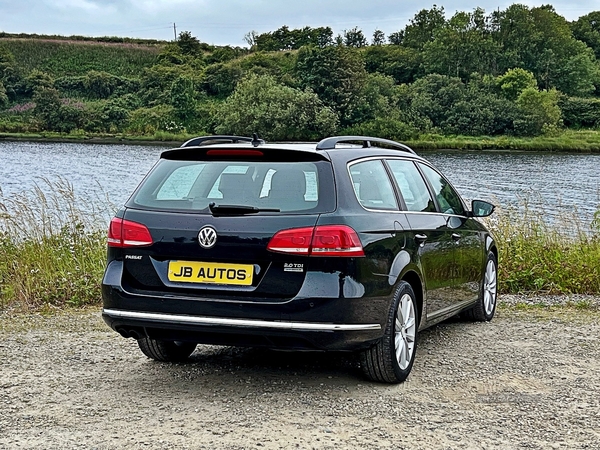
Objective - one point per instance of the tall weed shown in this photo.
(52, 251)
(538, 256)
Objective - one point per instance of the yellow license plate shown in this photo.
(216, 273)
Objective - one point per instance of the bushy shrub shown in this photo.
(37, 80)
(151, 120)
(275, 111)
(221, 79)
(55, 114)
(480, 114)
(579, 112)
(337, 75)
(538, 112)
(3, 96)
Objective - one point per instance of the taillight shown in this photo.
(295, 240)
(125, 233)
(336, 240)
(325, 240)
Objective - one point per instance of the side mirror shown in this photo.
(481, 208)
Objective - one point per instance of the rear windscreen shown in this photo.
(290, 187)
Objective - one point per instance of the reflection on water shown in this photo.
(557, 183)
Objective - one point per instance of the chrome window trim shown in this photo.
(239, 323)
(373, 158)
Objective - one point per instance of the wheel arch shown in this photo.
(412, 278)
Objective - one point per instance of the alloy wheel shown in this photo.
(490, 287)
(405, 330)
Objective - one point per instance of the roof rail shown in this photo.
(205, 140)
(330, 143)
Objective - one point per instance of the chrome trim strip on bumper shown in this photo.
(242, 323)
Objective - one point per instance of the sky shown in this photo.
(225, 22)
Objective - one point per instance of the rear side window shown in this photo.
(372, 185)
(412, 186)
(293, 187)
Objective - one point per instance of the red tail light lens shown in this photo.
(295, 241)
(336, 240)
(125, 233)
(326, 240)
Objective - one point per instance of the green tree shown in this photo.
(188, 44)
(378, 37)
(462, 46)
(434, 96)
(355, 38)
(423, 27)
(9, 73)
(538, 112)
(540, 41)
(336, 74)
(3, 96)
(53, 115)
(579, 74)
(587, 29)
(402, 63)
(221, 79)
(275, 111)
(515, 81)
(183, 98)
(396, 38)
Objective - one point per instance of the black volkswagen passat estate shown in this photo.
(354, 243)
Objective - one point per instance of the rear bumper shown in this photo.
(303, 324)
(243, 332)
(180, 319)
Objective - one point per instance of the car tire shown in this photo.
(391, 359)
(166, 351)
(485, 308)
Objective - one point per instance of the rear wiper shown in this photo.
(234, 210)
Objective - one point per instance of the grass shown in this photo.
(536, 256)
(584, 141)
(567, 140)
(78, 58)
(52, 252)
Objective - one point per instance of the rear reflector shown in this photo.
(124, 233)
(325, 240)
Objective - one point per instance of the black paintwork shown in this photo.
(446, 271)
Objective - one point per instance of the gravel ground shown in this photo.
(529, 379)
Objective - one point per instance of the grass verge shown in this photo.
(584, 141)
(52, 252)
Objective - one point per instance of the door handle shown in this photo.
(420, 238)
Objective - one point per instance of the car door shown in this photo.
(429, 234)
(465, 234)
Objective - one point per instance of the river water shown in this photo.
(557, 184)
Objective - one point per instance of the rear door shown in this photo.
(430, 233)
(212, 219)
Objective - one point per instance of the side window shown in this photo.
(372, 185)
(447, 198)
(178, 185)
(412, 186)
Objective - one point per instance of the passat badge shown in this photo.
(207, 237)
